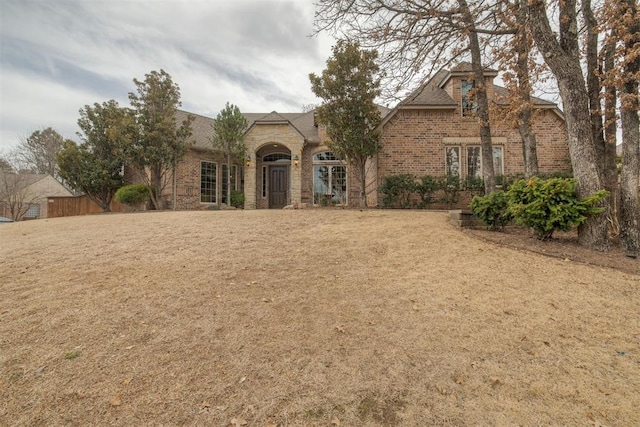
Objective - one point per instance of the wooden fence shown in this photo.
(77, 205)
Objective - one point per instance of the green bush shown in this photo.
(551, 204)
(473, 183)
(450, 186)
(133, 195)
(425, 189)
(492, 209)
(237, 199)
(397, 190)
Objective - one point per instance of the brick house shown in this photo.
(432, 132)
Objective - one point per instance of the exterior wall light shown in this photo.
(295, 160)
(248, 159)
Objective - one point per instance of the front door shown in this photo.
(278, 185)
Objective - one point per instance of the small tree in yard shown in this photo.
(95, 166)
(348, 87)
(158, 142)
(229, 128)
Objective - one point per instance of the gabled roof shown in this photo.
(25, 179)
(430, 94)
(202, 127)
(502, 94)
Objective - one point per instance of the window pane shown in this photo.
(339, 184)
(264, 181)
(208, 182)
(234, 173)
(320, 183)
(474, 162)
(452, 155)
(33, 211)
(469, 105)
(277, 157)
(498, 164)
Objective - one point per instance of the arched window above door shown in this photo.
(277, 157)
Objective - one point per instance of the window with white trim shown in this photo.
(329, 179)
(452, 160)
(474, 161)
(208, 182)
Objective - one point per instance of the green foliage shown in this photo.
(228, 137)
(551, 204)
(474, 183)
(492, 209)
(348, 87)
(397, 190)
(425, 189)
(133, 195)
(237, 199)
(450, 186)
(38, 152)
(229, 128)
(158, 141)
(95, 166)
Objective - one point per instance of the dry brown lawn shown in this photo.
(305, 318)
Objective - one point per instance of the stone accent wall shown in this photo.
(258, 139)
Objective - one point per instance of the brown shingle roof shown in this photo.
(503, 93)
(430, 94)
(202, 126)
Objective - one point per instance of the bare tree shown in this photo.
(415, 38)
(15, 194)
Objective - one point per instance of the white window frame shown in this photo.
(494, 147)
(329, 163)
(215, 190)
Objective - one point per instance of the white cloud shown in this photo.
(60, 55)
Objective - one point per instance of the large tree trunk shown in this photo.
(629, 207)
(529, 148)
(564, 60)
(610, 170)
(488, 173)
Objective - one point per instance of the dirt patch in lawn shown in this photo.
(304, 318)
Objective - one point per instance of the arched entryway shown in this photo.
(273, 163)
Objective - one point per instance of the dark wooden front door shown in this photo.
(278, 186)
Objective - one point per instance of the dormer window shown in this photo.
(469, 105)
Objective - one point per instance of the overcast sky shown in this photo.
(58, 55)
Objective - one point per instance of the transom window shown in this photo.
(326, 156)
(208, 182)
(329, 179)
(277, 157)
